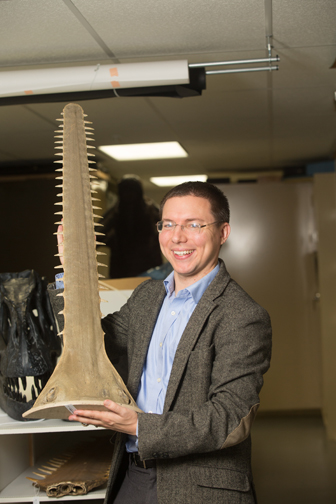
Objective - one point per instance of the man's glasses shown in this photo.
(190, 228)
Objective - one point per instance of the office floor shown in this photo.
(292, 460)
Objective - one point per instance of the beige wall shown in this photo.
(325, 204)
(272, 253)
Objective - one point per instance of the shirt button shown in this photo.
(172, 313)
(160, 344)
(158, 380)
(150, 411)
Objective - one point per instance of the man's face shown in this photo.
(192, 255)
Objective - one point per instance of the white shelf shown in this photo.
(17, 448)
(10, 426)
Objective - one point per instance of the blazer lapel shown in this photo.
(147, 320)
(193, 330)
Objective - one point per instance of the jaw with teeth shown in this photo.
(29, 344)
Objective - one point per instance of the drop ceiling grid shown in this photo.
(43, 31)
(311, 103)
(156, 28)
(305, 67)
(240, 154)
(304, 23)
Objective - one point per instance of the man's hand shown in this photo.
(118, 418)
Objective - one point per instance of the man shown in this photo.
(197, 348)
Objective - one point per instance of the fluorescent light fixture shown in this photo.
(174, 181)
(93, 78)
(136, 152)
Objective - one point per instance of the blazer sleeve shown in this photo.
(218, 396)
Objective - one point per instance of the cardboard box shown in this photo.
(121, 289)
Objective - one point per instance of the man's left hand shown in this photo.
(118, 418)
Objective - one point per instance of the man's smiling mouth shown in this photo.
(181, 253)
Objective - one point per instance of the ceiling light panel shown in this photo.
(173, 181)
(136, 152)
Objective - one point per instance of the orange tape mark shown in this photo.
(115, 84)
(28, 92)
(114, 72)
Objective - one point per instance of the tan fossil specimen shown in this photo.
(84, 376)
(84, 467)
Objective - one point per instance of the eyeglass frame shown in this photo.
(199, 226)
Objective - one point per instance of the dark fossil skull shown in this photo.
(29, 345)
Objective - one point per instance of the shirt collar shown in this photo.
(197, 289)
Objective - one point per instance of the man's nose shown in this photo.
(179, 233)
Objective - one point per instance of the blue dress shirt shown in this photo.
(174, 315)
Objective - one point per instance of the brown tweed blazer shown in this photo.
(201, 442)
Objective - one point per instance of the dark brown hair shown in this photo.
(218, 201)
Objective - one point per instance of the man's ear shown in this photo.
(225, 232)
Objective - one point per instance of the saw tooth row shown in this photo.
(59, 143)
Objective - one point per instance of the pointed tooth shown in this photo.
(98, 216)
(58, 161)
(98, 224)
(101, 276)
(58, 213)
(60, 185)
(95, 199)
(100, 253)
(59, 178)
(58, 267)
(37, 384)
(94, 207)
(99, 234)
(85, 122)
(24, 382)
(60, 119)
(101, 264)
(44, 380)
(58, 203)
(100, 243)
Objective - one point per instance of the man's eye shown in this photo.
(168, 225)
(193, 225)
